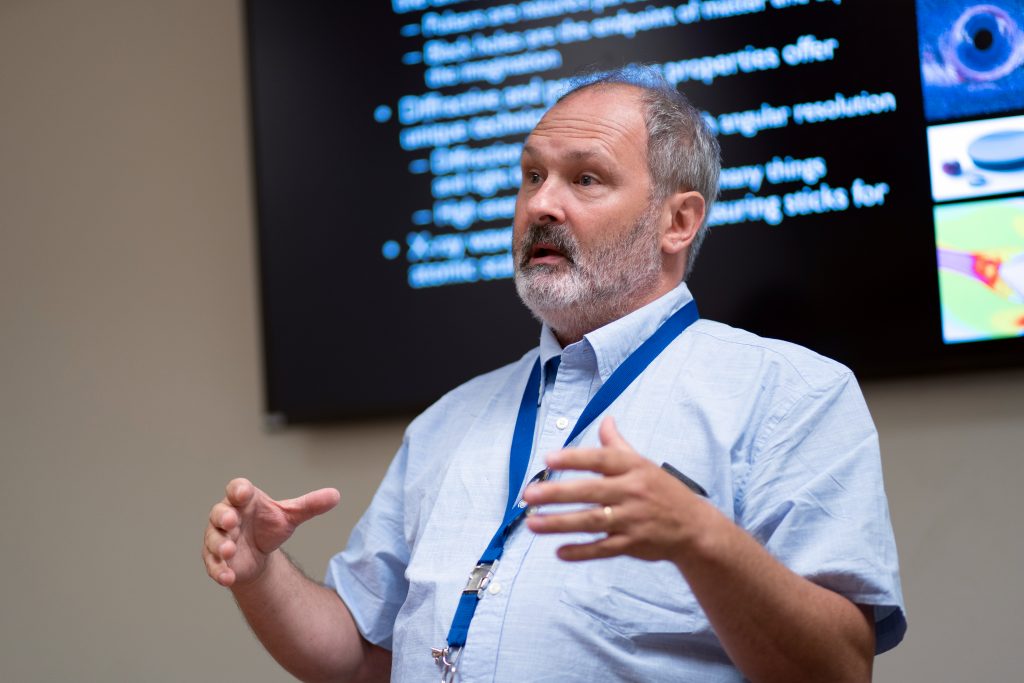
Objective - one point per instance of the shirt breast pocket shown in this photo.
(634, 598)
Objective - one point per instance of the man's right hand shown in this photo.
(248, 525)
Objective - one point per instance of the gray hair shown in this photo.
(682, 152)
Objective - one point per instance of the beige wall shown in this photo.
(130, 380)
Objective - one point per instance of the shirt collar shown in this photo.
(612, 343)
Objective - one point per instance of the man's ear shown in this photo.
(687, 213)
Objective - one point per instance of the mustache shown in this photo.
(558, 237)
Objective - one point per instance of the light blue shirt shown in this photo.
(779, 437)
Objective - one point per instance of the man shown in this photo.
(785, 571)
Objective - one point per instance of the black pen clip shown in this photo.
(690, 483)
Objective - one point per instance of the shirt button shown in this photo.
(494, 588)
(562, 422)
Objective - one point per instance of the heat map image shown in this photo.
(980, 250)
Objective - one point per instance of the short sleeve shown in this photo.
(814, 497)
(369, 574)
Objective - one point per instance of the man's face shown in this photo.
(586, 240)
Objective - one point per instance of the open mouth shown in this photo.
(547, 253)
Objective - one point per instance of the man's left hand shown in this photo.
(644, 510)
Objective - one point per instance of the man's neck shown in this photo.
(572, 328)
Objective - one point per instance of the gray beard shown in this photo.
(594, 287)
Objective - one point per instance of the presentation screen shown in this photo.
(871, 204)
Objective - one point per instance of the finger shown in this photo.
(609, 434)
(226, 577)
(223, 517)
(218, 571)
(588, 490)
(603, 460)
(611, 546)
(591, 520)
(239, 492)
(310, 505)
(216, 567)
(218, 544)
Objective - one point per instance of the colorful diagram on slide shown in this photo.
(980, 249)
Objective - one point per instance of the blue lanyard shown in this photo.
(522, 447)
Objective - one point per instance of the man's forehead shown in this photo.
(599, 119)
(568, 151)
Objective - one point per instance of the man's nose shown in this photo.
(545, 203)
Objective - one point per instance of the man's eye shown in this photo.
(533, 177)
(586, 180)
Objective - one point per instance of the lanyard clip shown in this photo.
(481, 575)
(445, 658)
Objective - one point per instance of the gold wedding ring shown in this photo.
(609, 516)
